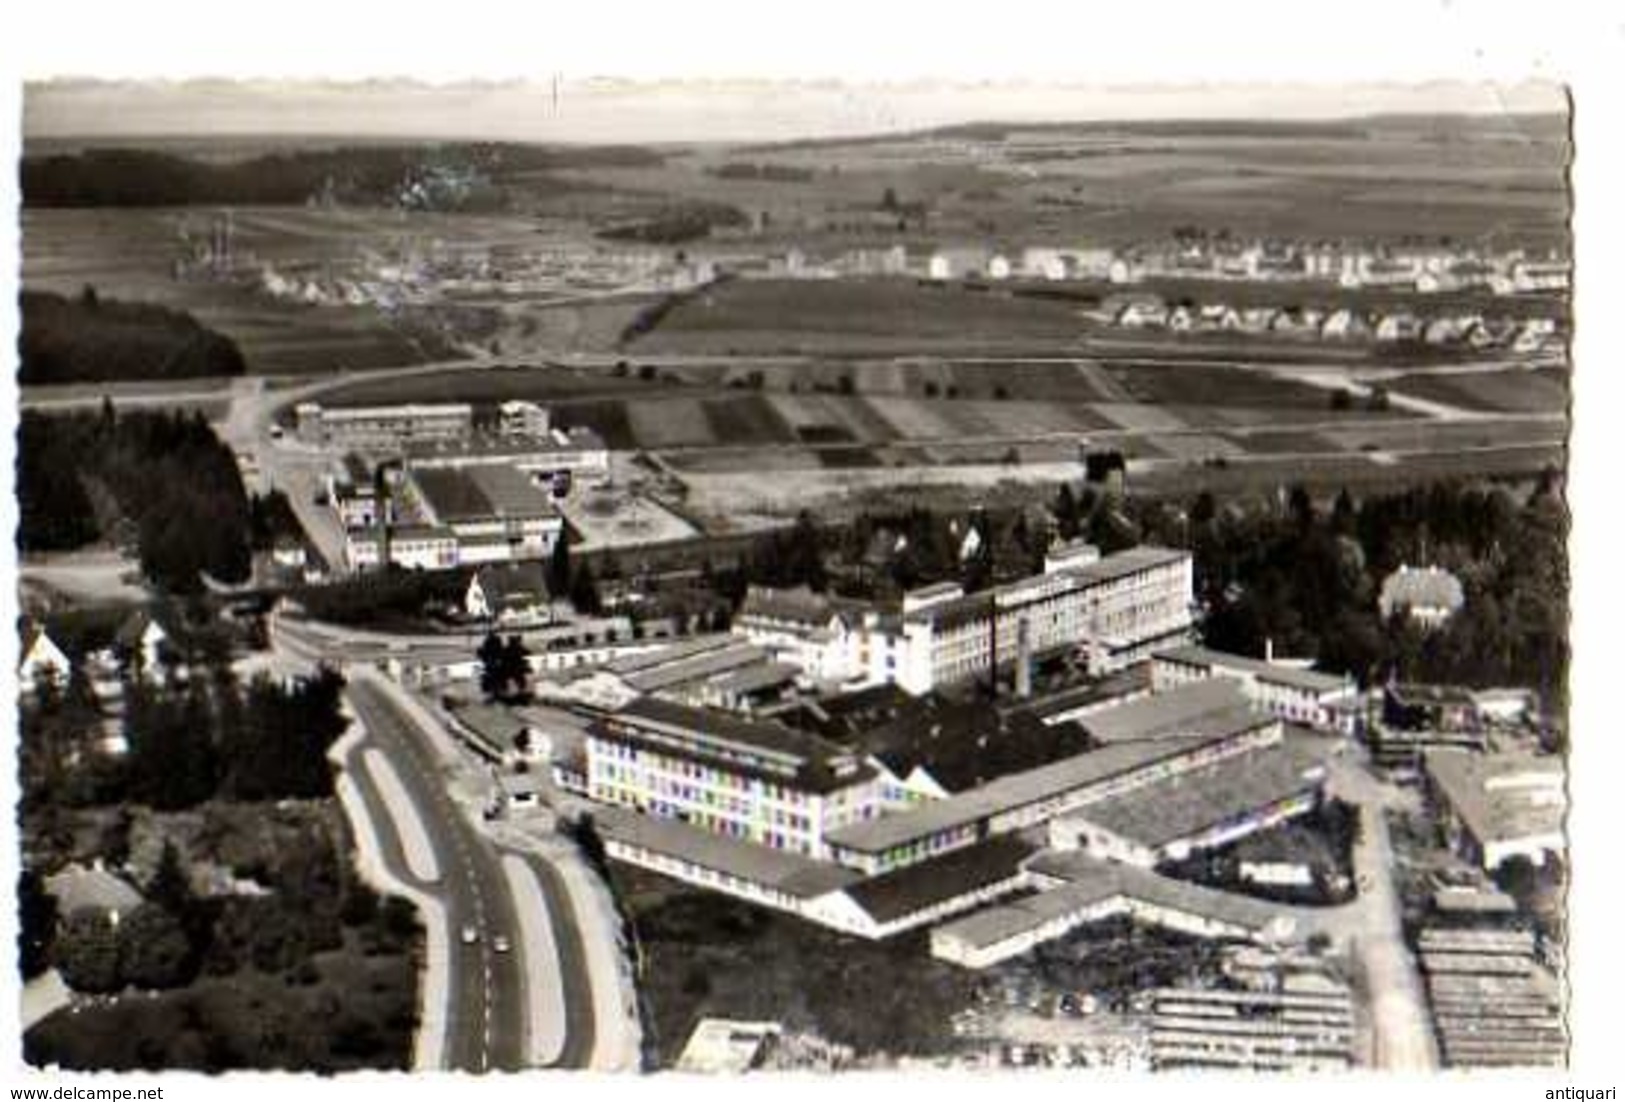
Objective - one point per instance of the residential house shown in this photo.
(1344, 324)
(1534, 334)
(92, 888)
(1430, 595)
(1399, 327)
(1258, 319)
(1044, 263)
(510, 595)
(1143, 314)
(144, 642)
(963, 262)
(42, 661)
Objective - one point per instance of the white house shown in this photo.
(1143, 314)
(1399, 327)
(42, 660)
(143, 639)
(1430, 595)
(1343, 324)
(512, 594)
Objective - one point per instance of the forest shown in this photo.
(373, 174)
(91, 339)
(163, 482)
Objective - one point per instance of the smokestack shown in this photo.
(1024, 659)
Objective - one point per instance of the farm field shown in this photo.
(541, 382)
(876, 315)
(1540, 391)
(1114, 183)
(130, 254)
(1434, 435)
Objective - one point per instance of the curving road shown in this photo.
(486, 1019)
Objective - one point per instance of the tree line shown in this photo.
(353, 174)
(91, 339)
(162, 481)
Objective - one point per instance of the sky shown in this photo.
(618, 110)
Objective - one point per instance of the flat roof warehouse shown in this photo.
(463, 496)
(1033, 786)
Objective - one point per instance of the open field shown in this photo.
(130, 254)
(1501, 178)
(134, 253)
(878, 315)
(707, 955)
(1541, 391)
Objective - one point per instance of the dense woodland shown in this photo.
(161, 481)
(91, 339)
(678, 225)
(374, 174)
(240, 771)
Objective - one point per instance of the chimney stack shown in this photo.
(1024, 659)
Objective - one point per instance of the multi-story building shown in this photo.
(522, 419)
(1114, 610)
(388, 427)
(749, 780)
(497, 513)
(1294, 694)
(556, 455)
(1157, 738)
(413, 546)
(353, 494)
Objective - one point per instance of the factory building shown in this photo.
(1114, 611)
(1294, 694)
(382, 427)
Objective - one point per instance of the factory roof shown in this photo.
(417, 409)
(962, 744)
(1290, 676)
(894, 895)
(483, 493)
(688, 669)
(1501, 797)
(764, 749)
(780, 870)
(1192, 803)
(497, 448)
(1090, 882)
(1201, 707)
(1018, 790)
(957, 611)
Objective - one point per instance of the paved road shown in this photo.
(486, 1018)
(1371, 925)
(486, 1024)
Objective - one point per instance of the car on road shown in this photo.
(501, 944)
(470, 935)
